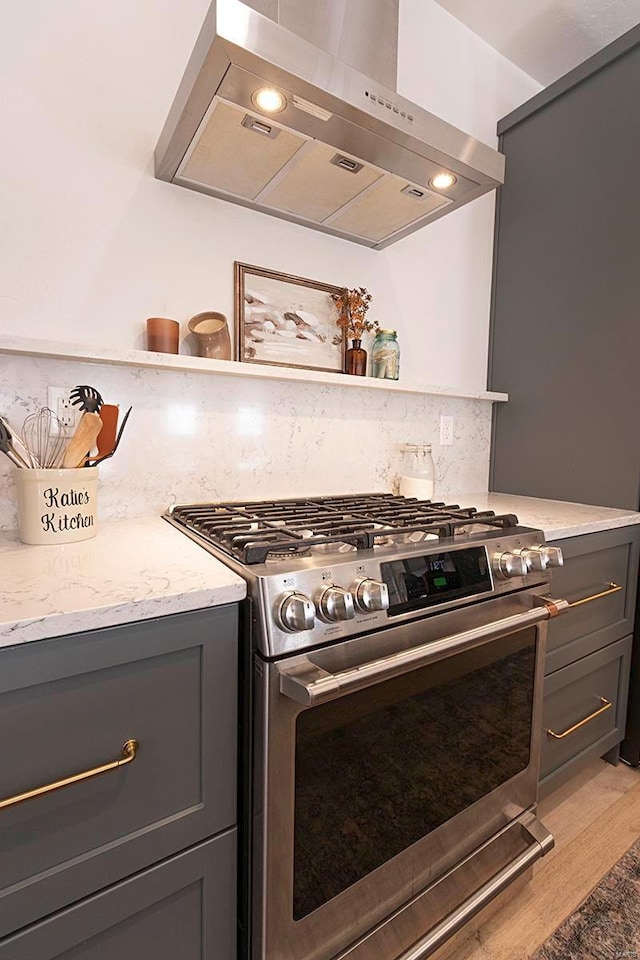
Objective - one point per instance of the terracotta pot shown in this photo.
(163, 335)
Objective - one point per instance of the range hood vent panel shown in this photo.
(384, 210)
(295, 192)
(213, 158)
(216, 141)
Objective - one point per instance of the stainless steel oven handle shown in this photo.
(541, 842)
(309, 684)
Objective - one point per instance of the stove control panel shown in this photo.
(339, 596)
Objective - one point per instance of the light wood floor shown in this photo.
(594, 818)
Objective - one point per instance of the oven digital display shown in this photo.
(419, 582)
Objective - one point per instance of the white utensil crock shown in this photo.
(57, 506)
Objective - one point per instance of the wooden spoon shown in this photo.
(82, 440)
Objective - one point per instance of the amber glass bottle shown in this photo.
(356, 360)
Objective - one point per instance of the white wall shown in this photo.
(91, 244)
(452, 72)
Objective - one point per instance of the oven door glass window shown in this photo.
(379, 769)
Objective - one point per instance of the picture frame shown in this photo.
(286, 321)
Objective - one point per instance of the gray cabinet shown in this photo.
(565, 337)
(181, 908)
(591, 563)
(588, 652)
(565, 340)
(585, 708)
(67, 706)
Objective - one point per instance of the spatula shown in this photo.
(82, 440)
(109, 413)
(92, 462)
(106, 442)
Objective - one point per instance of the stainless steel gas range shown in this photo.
(394, 716)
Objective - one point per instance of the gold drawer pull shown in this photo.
(129, 751)
(565, 733)
(612, 588)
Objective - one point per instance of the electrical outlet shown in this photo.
(59, 400)
(446, 431)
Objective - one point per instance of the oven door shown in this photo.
(383, 762)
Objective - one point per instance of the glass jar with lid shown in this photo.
(417, 471)
(385, 355)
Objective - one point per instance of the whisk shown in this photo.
(43, 435)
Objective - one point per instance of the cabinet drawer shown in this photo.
(573, 694)
(66, 706)
(591, 562)
(184, 907)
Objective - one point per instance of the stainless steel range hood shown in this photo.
(345, 154)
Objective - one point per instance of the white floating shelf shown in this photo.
(165, 361)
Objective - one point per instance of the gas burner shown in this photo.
(275, 529)
(281, 553)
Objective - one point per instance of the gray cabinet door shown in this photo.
(66, 706)
(572, 696)
(591, 563)
(566, 288)
(181, 909)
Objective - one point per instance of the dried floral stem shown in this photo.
(352, 309)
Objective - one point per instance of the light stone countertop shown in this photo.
(138, 569)
(558, 519)
(132, 570)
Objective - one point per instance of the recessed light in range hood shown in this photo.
(268, 120)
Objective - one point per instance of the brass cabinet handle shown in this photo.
(612, 588)
(129, 751)
(565, 733)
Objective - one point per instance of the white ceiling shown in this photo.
(546, 38)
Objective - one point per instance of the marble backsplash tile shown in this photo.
(195, 437)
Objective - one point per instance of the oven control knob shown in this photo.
(551, 555)
(533, 559)
(509, 565)
(371, 595)
(334, 604)
(295, 613)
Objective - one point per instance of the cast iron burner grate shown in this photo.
(254, 531)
